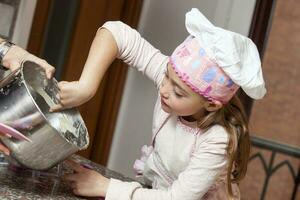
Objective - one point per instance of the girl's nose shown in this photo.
(165, 89)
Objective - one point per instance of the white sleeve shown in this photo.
(137, 52)
(206, 164)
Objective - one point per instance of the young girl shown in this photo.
(200, 145)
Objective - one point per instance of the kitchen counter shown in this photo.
(24, 184)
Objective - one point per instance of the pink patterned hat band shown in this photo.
(195, 67)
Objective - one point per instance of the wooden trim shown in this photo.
(113, 91)
(260, 25)
(36, 38)
(62, 17)
(100, 113)
(109, 108)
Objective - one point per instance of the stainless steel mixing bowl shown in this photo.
(25, 98)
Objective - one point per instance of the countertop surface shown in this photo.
(19, 183)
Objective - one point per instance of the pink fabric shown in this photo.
(194, 66)
(139, 164)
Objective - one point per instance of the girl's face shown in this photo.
(178, 98)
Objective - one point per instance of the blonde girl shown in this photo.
(200, 144)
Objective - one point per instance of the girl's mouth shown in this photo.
(163, 103)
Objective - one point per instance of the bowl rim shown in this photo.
(23, 75)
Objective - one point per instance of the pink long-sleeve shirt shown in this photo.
(185, 163)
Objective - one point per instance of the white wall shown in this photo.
(22, 26)
(162, 24)
(23, 23)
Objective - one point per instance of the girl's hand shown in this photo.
(14, 57)
(72, 94)
(86, 182)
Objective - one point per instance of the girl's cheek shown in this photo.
(175, 103)
(183, 107)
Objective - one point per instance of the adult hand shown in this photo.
(3, 148)
(72, 94)
(14, 57)
(86, 182)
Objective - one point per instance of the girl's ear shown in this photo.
(212, 106)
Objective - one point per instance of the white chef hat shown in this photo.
(236, 54)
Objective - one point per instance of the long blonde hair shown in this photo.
(232, 117)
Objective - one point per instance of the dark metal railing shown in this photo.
(269, 167)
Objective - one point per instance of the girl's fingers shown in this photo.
(74, 165)
(63, 90)
(62, 83)
(56, 107)
(72, 178)
(72, 185)
(76, 191)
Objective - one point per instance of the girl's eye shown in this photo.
(178, 95)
